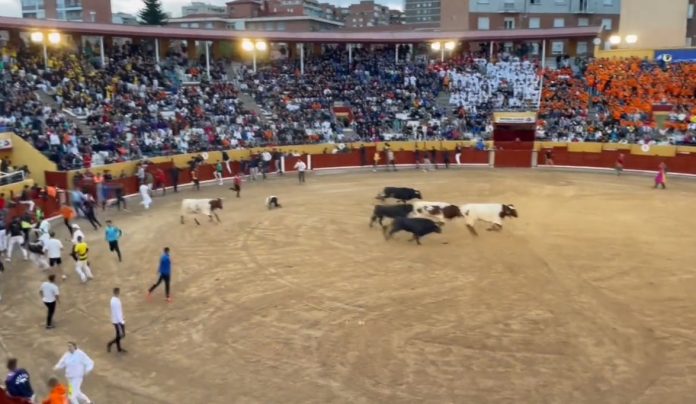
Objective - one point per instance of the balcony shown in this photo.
(509, 7)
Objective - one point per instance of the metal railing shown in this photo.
(11, 178)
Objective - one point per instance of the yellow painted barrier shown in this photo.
(16, 187)
(648, 54)
(662, 151)
(577, 147)
(24, 153)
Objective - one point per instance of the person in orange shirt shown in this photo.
(58, 395)
(68, 214)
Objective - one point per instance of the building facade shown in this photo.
(68, 10)
(199, 7)
(367, 14)
(656, 24)
(124, 19)
(423, 11)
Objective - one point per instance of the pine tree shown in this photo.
(152, 14)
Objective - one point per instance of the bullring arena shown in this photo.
(587, 297)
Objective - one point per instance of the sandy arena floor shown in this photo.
(588, 297)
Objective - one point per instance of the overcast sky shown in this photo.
(11, 8)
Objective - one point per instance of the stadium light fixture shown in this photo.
(450, 45)
(247, 45)
(261, 46)
(253, 46)
(435, 46)
(614, 39)
(37, 37)
(631, 39)
(54, 38)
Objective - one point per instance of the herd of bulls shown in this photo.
(421, 218)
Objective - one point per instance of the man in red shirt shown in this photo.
(237, 184)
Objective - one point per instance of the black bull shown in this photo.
(400, 194)
(416, 226)
(390, 211)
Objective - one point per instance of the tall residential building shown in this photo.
(199, 7)
(367, 14)
(68, 10)
(423, 11)
(462, 15)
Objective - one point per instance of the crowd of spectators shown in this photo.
(135, 108)
(616, 101)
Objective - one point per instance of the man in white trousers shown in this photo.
(77, 365)
(458, 154)
(145, 196)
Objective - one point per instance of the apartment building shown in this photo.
(199, 7)
(367, 14)
(423, 11)
(267, 15)
(68, 10)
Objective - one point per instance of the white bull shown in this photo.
(492, 213)
(196, 207)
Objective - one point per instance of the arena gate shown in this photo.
(513, 138)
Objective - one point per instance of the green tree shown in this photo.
(152, 13)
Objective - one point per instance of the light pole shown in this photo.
(442, 47)
(39, 37)
(253, 47)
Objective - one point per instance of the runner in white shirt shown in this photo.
(49, 293)
(300, 166)
(118, 322)
(77, 365)
(53, 248)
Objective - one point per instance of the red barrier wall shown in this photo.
(681, 163)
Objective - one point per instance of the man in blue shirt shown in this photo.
(165, 272)
(17, 381)
(113, 234)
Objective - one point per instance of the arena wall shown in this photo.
(679, 160)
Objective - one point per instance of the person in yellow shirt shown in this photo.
(82, 265)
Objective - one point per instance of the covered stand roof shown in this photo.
(306, 37)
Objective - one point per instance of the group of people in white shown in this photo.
(513, 84)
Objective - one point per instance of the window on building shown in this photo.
(483, 1)
(535, 2)
(209, 25)
(557, 47)
(484, 23)
(559, 22)
(184, 25)
(608, 3)
(535, 48)
(691, 10)
(582, 48)
(534, 22)
(606, 24)
(583, 22)
(509, 23)
(194, 25)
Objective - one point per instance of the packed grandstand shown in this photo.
(82, 114)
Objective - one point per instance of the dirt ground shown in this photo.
(587, 297)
